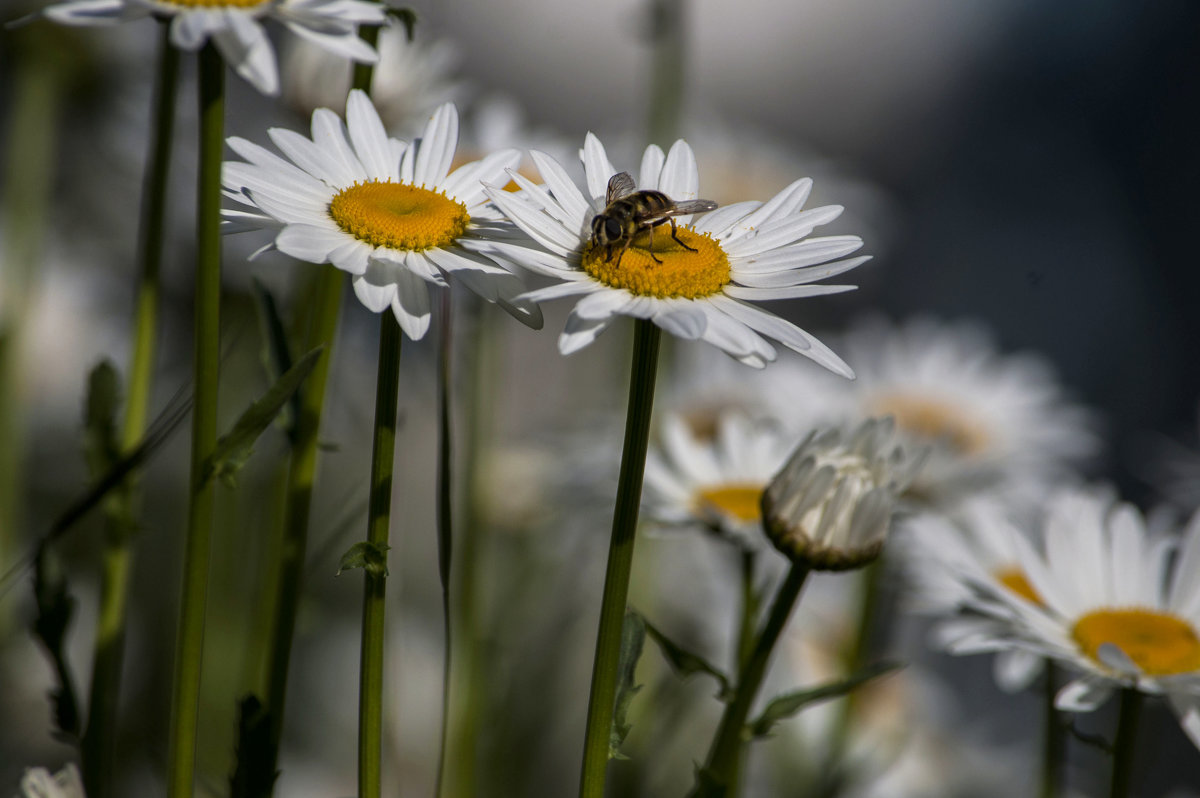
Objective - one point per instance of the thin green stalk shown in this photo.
(750, 603)
(1054, 737)
(1125, 742)
(370, 702)
(37, 76)
(725, 758)
(666, 98)
(620, 559)
(445, 525)
(322, 330)
(99, 741)
(466, 714)
(181, 763)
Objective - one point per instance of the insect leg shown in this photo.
(675, 236)
(650, 248)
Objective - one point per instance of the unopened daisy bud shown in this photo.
(831, 505)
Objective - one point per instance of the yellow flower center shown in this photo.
(682, 273)
(398, 215)
(737, 502)
(1158, 643)
(1014, 580)
(930, 418)
(189, 4)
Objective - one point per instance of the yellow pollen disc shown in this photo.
(1160, 644)
(682, 273)
(399, 216)
(1014, 580)
(217, 3)
(930, 418)
(739, 502)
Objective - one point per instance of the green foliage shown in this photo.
(236, 446)
(365, 554)
(633, 638)
(253, 775)
(788, 704)
(686, 663)
(276, 354)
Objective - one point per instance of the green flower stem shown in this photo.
(301, 478)
(667, 23)
(620, 559)
(37, 79)
(181, 762)
(1054, 738)
(466, 710)
(99, 741)
(1124, 743)
(725, 757)
(322, 329)
(750, 604)
(855, 660)
(370, 702)
(445, 507)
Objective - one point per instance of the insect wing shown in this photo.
(692, 206)
(619, 185)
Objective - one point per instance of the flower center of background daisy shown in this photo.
(217, 3)
(399, 216)
(682, 273)
(739, 502)
(1158, 643)
(1014, 580)
(933, 419)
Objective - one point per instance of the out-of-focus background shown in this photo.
(1028, 165)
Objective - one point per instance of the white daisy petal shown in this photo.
(308, 242)
(578, 333)
(785, 332)
(562, 187)
(787, 292)
(438, 143)
(369, 138)
(244, 45)
(544, 229)
(411, 304)
(680, 179)
(375, 296)
(1083, 695)
(651, 168)
(597, 169)
(779, 232)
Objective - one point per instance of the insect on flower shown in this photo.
(628, 212)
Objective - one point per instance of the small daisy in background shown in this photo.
(714, 478)
(1115, 605)
(411, 80)
(390, 214)
(235, 28)
(700, 278)
(991, 421)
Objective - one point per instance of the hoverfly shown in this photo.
(628, 212)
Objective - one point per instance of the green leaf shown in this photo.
(686, 663)
(633, 637)
(100, 445)
(789, 704)
(235, 447)
(364, 554)
(276, 354)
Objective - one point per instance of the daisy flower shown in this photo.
(1111, 602)
(698, 287)
(392, 215)
(234, 27)
(714, 480)
(990, 420)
